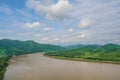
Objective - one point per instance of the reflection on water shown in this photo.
(38, 67)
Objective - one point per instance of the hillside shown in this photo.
(109, 52)
(16, 47)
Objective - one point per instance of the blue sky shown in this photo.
(61, 22)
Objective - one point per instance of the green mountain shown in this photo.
(16, 47)
(109, 52)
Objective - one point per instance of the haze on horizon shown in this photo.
(61, 21)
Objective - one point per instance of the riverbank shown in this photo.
(84, 60)
(2, 73)
(3, 66)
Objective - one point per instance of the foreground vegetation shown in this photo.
(3, 64)
(9, 48)
(106, 53)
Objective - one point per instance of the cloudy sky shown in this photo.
(62, 22)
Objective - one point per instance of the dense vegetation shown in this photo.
(9, 48)
(109, 52)
(3, 64)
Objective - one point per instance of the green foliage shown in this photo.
(109, 52)
(3, 64)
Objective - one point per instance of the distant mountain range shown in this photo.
(80, 45)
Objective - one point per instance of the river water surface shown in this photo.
(38, 67)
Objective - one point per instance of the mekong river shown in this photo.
(38, 67)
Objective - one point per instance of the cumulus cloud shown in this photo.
(84, 23)
(59, 10)
(37, 26)
(32, 25)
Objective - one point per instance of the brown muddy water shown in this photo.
(38, 67)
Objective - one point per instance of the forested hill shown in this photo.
(109, 52)
(16, 47)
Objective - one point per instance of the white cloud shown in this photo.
(59, 10)
(81, 36)
(55, 39)
(32, 25)
(47, 28)
(102, 15)
(84, 23)
(71, 30)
